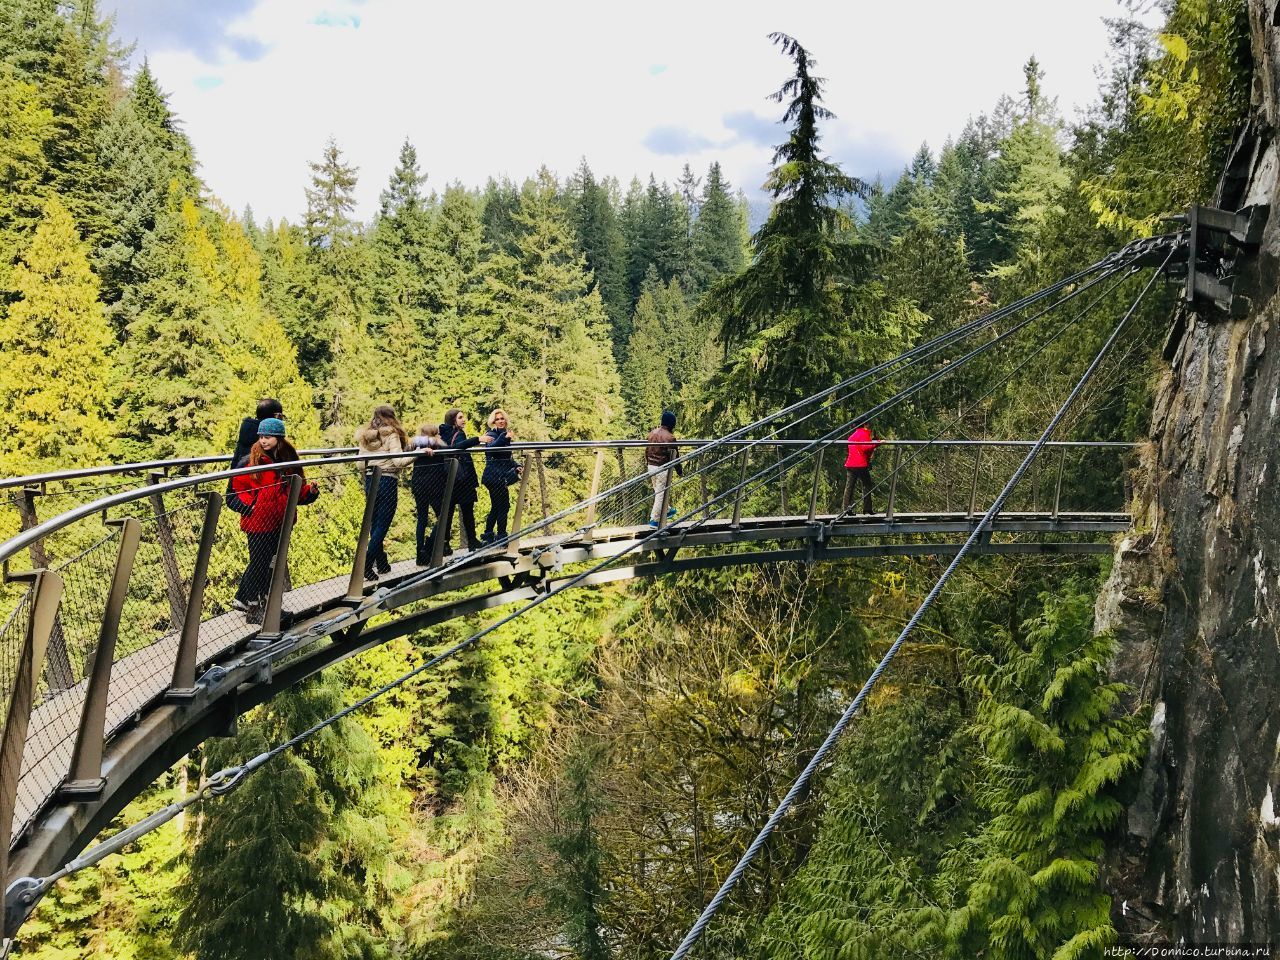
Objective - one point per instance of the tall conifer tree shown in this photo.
(58, 383)
(785, 317)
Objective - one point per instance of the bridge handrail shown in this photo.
(21, 541)
(323, 453)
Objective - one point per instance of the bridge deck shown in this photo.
(141, 679)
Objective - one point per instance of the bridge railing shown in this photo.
(148, 577)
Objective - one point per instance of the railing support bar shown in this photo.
(596, 469)
(355, 583)
(522, 494)
(741, 490)
(893, 482)
(446, 515)
(542, 484)
(184, 664)
(46, 594)
(84, 778)
(280, 566)
(817, 479)
(1057, 487)
(58, 673)
(168, 556)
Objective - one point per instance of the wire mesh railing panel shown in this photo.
(325, 532)
(60, 691)
(13, 632)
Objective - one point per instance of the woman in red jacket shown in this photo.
(261, 498)
(858, 465)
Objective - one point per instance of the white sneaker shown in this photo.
(239, 605)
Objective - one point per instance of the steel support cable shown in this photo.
(929, 347)
(923, 351)
(768, 473)
(28, 889)
(918, 451)
(224, 781)
(801, 783)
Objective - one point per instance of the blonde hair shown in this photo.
(497, 413)
(428, 430)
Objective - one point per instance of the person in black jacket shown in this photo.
(466, 484)
(500, 471)
(268, 407)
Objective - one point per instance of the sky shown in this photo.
(501, 88)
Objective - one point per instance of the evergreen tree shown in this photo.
(601, 241)
(176, 352)
(461, 309)
(1030, 176)
(58, 383)
(785, 319)
(336, 318)
(312, 830)
(647, 386)
(25, 125)
(717, 248)
(556, 375)
(1051, 771)
(140, 154)
(499, 204)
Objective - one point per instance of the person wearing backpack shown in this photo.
(261, 498)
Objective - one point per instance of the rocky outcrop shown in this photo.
(1195, 597)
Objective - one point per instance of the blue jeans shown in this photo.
(384, 511)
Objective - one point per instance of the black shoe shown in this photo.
(487, 539)
(383, 565)
(256, 612)
(423, 560)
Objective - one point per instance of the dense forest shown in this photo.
(579, 786)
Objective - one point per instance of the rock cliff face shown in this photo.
(1195, 597)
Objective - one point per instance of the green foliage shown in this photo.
(58, 381)
(784, 319)
(1170, 117)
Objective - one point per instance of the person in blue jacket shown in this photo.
(500, 471)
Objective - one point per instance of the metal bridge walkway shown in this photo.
(147, 724)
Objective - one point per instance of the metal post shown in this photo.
(973, 487)
(946, 477)
(703, 491)
(184, 664)
(666, 499)
(280, 565)
(513, 542)
(46, 593)
(741, 490)
(59, 673)
(84, 779)
(589, 529)
(168, 557)
(446, 515)
(1057, 488)
(893, 482)
(355, 583)
(817, 479)
(782, 484)
(542, 484)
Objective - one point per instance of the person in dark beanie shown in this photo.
(659, 453)
(268, 407)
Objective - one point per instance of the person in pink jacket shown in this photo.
(857, 465)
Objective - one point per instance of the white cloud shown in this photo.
(491, 89)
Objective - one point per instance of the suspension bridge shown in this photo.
(122, 649)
